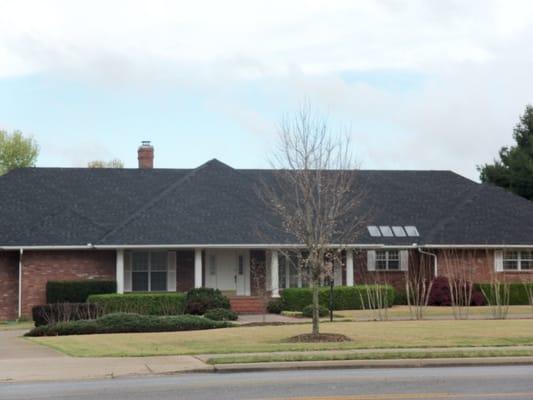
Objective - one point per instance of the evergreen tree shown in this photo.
(514, 169)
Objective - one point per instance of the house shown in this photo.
(175, 229)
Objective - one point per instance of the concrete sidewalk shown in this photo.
(73, 368)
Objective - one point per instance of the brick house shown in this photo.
(175, 229)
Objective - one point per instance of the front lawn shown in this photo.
(402, 312)
(14, 325)
(389, 334)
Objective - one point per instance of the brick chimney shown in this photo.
(145, 155)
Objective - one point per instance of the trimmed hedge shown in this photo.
(344, 297)
(128, 322)
(517, 295)
(308, 311)
(77, 291)
(165, 303)
(62, 312)
(221, 314)
(200, 300)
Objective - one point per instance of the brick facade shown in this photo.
(9, 278)
(39, 267)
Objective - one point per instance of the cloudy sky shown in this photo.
(420, 84)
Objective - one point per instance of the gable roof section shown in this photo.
(216, 204)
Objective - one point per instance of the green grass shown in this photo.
(402, 312)
(364, 335)
(375, 355)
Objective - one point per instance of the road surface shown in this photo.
(514, 382)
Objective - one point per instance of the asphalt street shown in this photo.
(510, 382)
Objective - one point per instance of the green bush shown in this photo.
(308, 311)
(164, 303)
(128, 322)
(344, 297)
(275, 306)
(221, 314)
(77, 291)
(517, 294)
(198, 301)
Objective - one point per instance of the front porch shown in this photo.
(234, 271)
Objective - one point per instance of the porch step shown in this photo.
(247, 304)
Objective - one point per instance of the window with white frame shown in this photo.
(387, 260)
(515, 260)
(149, 271)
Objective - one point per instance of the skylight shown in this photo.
(374, 231)
(398, 231)
(392, 231)
(386, 231)
(412, 231)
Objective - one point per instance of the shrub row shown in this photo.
(76, 291)
(165, 303)
(344, 297)
(128, 322)
(517, 294)
(64, 312)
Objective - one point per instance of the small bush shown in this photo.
(76, 291)
(198, 301)
(63, 312)
(164, 303)
(308, 311)
(221, 314)
(128, 322)
(441, 295)
(275, 306)
(344, 297)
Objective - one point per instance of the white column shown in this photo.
(337, 274)
(274, 273)
(20, 284)
(120, 271)
(349, 267)
(197, 268)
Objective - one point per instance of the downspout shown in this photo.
(20, 283)
(435, 266)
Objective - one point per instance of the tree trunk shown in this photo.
(316, 315)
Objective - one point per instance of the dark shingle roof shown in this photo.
(216, 204)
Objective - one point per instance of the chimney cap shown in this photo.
(146, 143)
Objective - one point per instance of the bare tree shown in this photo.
(418, 283)
(497, 293)
(527, 282)
(458, 269)
(257, 273)
(314, 193)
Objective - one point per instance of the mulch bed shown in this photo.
(320, 338)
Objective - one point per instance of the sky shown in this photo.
(417, 84)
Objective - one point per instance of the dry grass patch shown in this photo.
(389, 334)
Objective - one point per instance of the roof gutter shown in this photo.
(435, 265)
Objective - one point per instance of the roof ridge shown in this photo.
(470, 194)
(154, 200)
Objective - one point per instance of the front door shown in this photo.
(240, 275)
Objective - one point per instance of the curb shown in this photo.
(361, 364)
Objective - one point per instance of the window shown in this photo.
(386, 231)
(387, 260)
(149, 271)
(518, 260)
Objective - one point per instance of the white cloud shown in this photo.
(476, 56)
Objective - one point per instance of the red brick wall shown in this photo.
(9, 277)
(39, 267)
